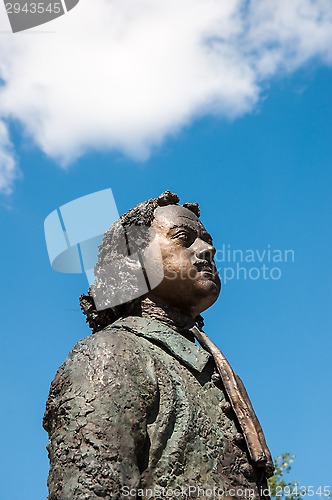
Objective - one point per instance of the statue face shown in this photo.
(191, 282)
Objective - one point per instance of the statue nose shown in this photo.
(205, 251)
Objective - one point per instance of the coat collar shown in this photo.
(176, 344)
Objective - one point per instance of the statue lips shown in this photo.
(207, 268)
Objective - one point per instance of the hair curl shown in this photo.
(114, 247)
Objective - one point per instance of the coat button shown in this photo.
(226, 408)
(216, 378)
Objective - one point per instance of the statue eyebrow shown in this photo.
(203, 233)
(207, 235)
(182, 226)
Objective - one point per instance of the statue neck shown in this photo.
(174, 318)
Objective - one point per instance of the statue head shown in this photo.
(167, 240)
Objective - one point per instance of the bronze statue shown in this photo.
(139, 409)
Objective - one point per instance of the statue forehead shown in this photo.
(175, 215)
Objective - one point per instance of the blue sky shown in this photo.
(261, 179)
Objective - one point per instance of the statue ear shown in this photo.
(130, 273)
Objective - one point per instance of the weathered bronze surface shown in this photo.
(139, 410)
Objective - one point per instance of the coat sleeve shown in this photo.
(96, 417)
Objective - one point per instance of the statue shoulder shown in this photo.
(114, 348)
(110, 356)
(103, 367)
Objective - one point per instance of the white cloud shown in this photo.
(124, 74)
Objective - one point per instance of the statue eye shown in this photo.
(186, 237)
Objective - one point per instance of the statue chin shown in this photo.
(191, 296)
(208, 300)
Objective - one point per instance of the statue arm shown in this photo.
(96, 418)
